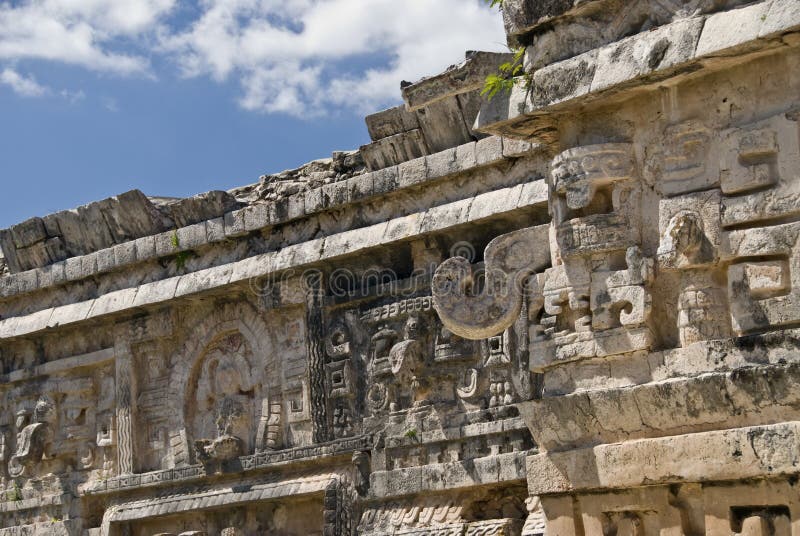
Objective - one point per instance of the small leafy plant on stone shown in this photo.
(506, 76)
(411, 434)
(182, 256)
(508, 73)
(15, 493)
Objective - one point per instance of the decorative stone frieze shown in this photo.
(585, 327)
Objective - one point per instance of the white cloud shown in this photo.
(72, 96)
(23, 86)
(302, 57)
(110, 104)
(294, 60)
(79, 32)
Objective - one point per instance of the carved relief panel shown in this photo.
(229, 386)
(761, 189)
(595, 299)
(56, 431)
(223, 405)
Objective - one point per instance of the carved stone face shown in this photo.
(43, 412)
(413, 327)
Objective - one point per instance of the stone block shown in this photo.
(466, 157)
(314, 201)
(390, 122)
(466, 77)
(657, 50)
(28, 232)
(105, 260)
(234, 224)
(257, 217)
(72, 268)
(166, 244)
(441, 164)
(782, 16)
(145, 248)
(443, 125)
(699, 457)
(386, 180)
(52, 275)
(215, 230)
(192, 236)
(412, 172)
(9, 250)
(728, 29)
(202, 207)
(70, 314)
(33, 256)
(296, 206)
(489, 150)
(125, 254)
(394, 149)
(533, 193)
(513, 148)
(207, 279)
(522, 16)
(156, 292)
(491, 203)
(89, 264)
(565, 80)
(27, 281)
(360, 186)
(113, 302)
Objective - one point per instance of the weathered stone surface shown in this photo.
(390, 122)
(201, 207)
(588, 327)
(465, 77)
(394, 149)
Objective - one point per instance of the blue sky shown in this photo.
(175, 98)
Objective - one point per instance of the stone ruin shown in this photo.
(573, 309)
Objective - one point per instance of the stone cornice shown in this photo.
(644, 61)
(239, 223)
(297, 256)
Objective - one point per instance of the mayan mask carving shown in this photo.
(509, 260)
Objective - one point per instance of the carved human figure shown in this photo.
(689, 235)
(407, 360)
(34, 438)
(361, 464)
(224, 397)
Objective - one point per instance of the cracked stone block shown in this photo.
(394, 149)
(390, 122)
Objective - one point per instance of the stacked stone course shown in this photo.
(569, 310)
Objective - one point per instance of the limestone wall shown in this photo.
(567, 310)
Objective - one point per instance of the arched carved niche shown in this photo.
(225, 374)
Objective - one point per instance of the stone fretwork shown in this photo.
(570, 310)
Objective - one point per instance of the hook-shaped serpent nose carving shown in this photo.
(509, 260)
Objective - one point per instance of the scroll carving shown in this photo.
(480, 313)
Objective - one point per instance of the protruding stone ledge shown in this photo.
(277, 460)
(296, 256)
(207, 498)
(448, 476)
(738, 454)
(642, 61)
(742, 397)
(241, 222)
(467, 76)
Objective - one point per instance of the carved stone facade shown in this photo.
(571, 310)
